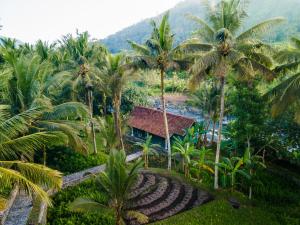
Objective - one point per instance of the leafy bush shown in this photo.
(60, 215)
(68, 161)
(134, 96)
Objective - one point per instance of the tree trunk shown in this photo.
(213, 133)
(205, 134)
(104, 104)
(117, 104)
(118, 216)
(250, 188)
(44, 155)
(216, 183)
(163, 104)
(90, 104)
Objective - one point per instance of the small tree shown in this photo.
(185, 150)
(148, 149)
(202, 164)
(117, 181)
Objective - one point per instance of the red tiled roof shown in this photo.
(151, 121)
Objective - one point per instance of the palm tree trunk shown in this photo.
(117, 104)
(163, 103)
(104, 104)
(213, 133)
(216, 182)
(90, 104)
(44, 155)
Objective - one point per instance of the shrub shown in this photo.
(68, 161)
(60, 214)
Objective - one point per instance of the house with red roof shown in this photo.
(145, 121)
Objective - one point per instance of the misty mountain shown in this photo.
(183, 28)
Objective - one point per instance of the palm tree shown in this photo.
(107, 132)
(225, 50)
(185, 151)
(117, 181)
(148, 149)
(286, 92)
(30, 86)
(207, 99)
(84, 55)
(158, 53)
(15, 143)
(115, 74)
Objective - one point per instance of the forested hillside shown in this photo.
(183, 27)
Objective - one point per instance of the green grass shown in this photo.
(219, 212)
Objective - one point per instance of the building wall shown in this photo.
(155, 139)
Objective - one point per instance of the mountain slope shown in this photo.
(183, 28)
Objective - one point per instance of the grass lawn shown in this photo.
(220, 212)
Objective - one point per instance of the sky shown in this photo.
(48, 20)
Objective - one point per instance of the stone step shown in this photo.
(180, 204)
(148, 184)
(162, 203)
(202, 198)
(139, 182)
(160, 189)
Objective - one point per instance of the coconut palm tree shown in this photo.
(148, 149)
(158, 53)
(83, 57)
(115, 73)
(286, 92)
(224, 50)
(117, 181)
(30, 86)
(16, 144)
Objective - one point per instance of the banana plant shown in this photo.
(148, 149)
(230, 167)
(184, 151)
(252, 163)
(202, 164)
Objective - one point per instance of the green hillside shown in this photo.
(183, 28)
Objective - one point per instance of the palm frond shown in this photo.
(142, 49)
(26, 145)
(74, 141)
(140, 217)
(205, 29)
(261, 28)
(87, 205)
(68, 110)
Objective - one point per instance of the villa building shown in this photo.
(148, 121)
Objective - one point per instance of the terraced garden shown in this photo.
(159, 197)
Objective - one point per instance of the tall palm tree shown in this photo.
(84, 55)
(223, 49)
(117, 181)
(115, 74)
(285, 94)
(15, 143)
(158, 53)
